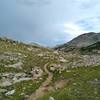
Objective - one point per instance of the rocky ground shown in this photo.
(31, 72)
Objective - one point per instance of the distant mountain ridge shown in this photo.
(83, 40)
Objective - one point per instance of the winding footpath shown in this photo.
(42, 89)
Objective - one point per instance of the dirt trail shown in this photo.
(44, 87)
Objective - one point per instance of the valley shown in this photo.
(33, 72)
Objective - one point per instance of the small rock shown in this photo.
(52, 68)
(3, 90)
(51, 98)
(10, 93)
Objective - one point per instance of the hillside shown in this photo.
(94, 48)
(80, 41)
(20, 64)
(32, 72)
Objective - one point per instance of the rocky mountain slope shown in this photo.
(80, 41)
(32, 72)
(94, 48)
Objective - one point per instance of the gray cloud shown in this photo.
(87, 4)
(42, 21)
(34, 2)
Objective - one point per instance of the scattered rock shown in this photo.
(36, 72)
(62, 59)
(22, 79)
(10, 93)
(5, 82)
(17, 65)
(3, 90)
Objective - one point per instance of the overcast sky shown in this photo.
(48, 22)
